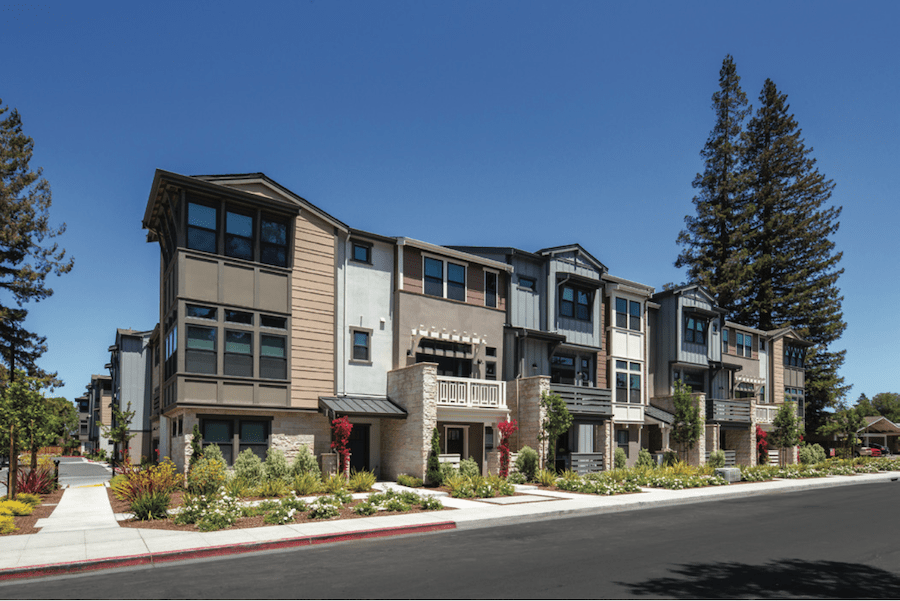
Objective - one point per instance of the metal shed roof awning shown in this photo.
(356, 406)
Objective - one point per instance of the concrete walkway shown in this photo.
(82, 533)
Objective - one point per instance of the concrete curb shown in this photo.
(90, 565)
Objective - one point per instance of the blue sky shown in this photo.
(529, 124)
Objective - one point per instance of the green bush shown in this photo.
(276, 467)
(151, 506)
(429, 503)
(272, 488)
(307, 484)
(365, 508)
(645, 459)
(716, 459)
(410, 481)
(527, 462)
(207, 476)
(335, 483)
(362, 481)
(433, 474)
(249, 467)
(235, 486)
(812, 454)
(305, 463)
(468, 467)
(448, 470)
(213, 452)
(670, 458)
(517, 478)
(545, 477)
(325, 508)
(620, 458)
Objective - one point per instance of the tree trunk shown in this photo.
(13, 464)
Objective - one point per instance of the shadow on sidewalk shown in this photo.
(786, 578)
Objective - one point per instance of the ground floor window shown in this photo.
(235, 434)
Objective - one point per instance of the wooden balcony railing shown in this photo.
(735, 410)
(585, 463)
(467, 392)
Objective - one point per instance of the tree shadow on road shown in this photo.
(787, 578)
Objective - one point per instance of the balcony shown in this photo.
(765, 414)
(467, 392)
(584, 400)
(734, 410)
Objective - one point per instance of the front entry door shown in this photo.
(455, 442)
(359, 447)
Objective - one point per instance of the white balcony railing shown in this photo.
(466, 392)
(765, 414)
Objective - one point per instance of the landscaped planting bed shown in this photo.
(42, 507)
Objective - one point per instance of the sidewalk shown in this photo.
(82, 534)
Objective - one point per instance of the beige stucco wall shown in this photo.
(405, 443)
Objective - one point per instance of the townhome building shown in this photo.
(99, 395)
(83, 405)
(130, 370)
(688, 346)
(247, 314)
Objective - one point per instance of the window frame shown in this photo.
(368, 346)
(446, 284)
(576, 303)
(226, 353)
(531, 284)
(354, 244)
(268, 360)
(496, 291)
(189, 227)
(265, 245)
(189, 351)
(691, 333)
(227, 235)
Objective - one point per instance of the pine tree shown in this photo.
(794, 264)
(713, 239)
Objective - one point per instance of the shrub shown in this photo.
(307, 484)
(16, 508)
(272, 488)
(362, 481)
(33, 500)
(209, 512)
(235, 486)
(40, 481)
(429, 503)
(151, 506)
(249, 467)
(469, 467)
(119, 486)
(517, 478)
(340, 435)
(365, 508)
(507, 429)
(410, 481)
(433, 474)
(213, 452)
(812, 454)
(276, 467)
(305, 463)
(207, 476)
(645, 459)
(546, 477)
(335, 484)
(325, 508)
(284, 512)
(196, 447)
(619, 458)
(448, 470)
(163, 478)
(460, 487)
(527, 462)
(670, 458)
(716, 459)
(7, 524)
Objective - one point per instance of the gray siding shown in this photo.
(526, 310)
(690, 352)
(576, 331)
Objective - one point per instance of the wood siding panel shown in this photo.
(412, 270)
(312, 310)
(526, 309)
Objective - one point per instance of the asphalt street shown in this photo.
(829, 543)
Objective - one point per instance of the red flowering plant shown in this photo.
(340, 434)
(507, 429)
(762, 446)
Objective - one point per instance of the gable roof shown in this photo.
(685, 288)
(782, 332)
(578, 250)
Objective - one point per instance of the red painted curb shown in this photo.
(76, 567)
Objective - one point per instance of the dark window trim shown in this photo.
(353, 346)
(366, 245)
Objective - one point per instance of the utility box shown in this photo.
(729, 474)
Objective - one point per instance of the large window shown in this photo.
(628, 382)
(200, 351)
(452, 358)
(273, 242)
(233, 435)
(743, 344)
(575, 302)
(433, 279)
(201, 230)
(238, 353)
(794, 356)
(238, 235)
(695, 330)
(628, 314)
(490, 289)
(272, 357)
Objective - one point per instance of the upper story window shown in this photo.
(238, 235)
(724, 340)
(361, 345)
(527, 283)
(241, 317)
(201, 230)
(362, 252)
(490, 289)
(794, 356)
(628, 382)
(628, 314)
(271, 321)
(695, 330)
(575, 302)
(743, 344)
(201, 312)
(434, 284)
(273, 242)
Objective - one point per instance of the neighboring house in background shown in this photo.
(99, 394)
(83, 404)
(130, 369)
(247, 314)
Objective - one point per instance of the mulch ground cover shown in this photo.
(25, 524)
(345, 513)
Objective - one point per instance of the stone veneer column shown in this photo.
(405, 443)
(523, 397)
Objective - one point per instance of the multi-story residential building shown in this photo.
(785, 373)
(247, 314)
(83, 404)
(99, 394)
(130, 368)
